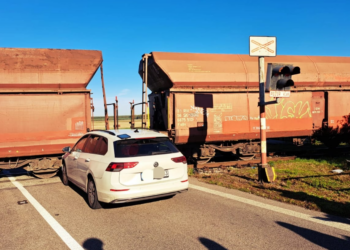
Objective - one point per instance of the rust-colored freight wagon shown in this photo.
(209, 102)
(45, 105)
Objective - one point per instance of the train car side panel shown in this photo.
(38, 69)
(290, 114)
(318, 109)
(37, 124)
(235, 116)
(338, 108)
(205, 117)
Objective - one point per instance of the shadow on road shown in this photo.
(320, 239)
(78, 191)
(211, 245)
(332, 207)
(93, 244)
(14, 172)
(334, 219)
(135, 203)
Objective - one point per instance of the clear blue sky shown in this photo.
(124, 30)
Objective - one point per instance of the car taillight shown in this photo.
(179, 159)
(119, 166)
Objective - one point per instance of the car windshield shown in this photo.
(143, 147)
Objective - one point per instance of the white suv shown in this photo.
(119, 166)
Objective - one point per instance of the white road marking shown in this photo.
(307, 217)
(62, 233)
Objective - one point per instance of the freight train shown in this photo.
(208, 103)
(45, 105)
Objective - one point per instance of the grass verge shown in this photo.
(309, 183)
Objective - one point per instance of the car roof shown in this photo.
(133, 133)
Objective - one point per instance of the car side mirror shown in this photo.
(66, 149)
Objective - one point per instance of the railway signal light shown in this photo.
(279, 76)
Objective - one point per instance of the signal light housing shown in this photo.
(279, 76)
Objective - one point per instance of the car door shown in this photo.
(86, 158)
(72, 158)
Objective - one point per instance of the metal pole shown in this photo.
(104, 99)
(92, 112)
(132, 122)
(115, 116)
(144, 125)
(144, 91)
(143, 88)
(116, 111)
(262, 117)
(133, 116)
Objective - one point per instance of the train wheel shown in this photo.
(203, 161)
(246, 157)
(45, 175)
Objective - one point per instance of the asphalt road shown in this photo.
(209, 218)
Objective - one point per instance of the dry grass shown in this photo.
(307, 183)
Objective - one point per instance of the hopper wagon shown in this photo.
(208, 103)
(44, 105)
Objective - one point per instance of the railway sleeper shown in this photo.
(227, 167)
(216, 170)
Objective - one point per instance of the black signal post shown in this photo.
(280, 77)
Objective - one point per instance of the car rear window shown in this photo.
(143, 147)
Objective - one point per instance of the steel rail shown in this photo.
(238, 163)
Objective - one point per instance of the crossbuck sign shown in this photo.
(262, 46)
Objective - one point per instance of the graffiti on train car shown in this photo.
(289, 109)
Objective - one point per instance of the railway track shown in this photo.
(224, 166)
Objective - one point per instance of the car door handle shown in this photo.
(75, 157)
(87, 160)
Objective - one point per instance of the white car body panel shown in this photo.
(132, 177)
(71, 163)
(94, 165)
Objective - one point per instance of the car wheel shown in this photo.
(92, 195)
(64, 175)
